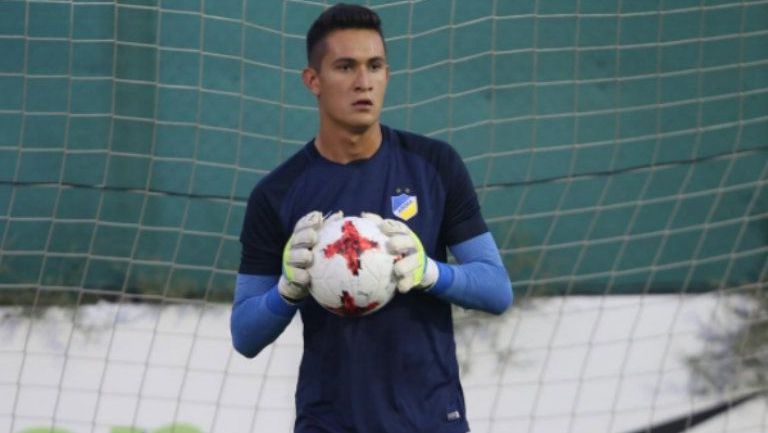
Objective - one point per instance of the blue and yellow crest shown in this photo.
(405, 206)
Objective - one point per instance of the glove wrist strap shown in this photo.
(431, 274)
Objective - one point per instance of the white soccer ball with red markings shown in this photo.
(351, 270)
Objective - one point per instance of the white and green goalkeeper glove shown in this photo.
(297, 256)
(414, 269)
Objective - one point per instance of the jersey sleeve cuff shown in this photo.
(444, 278)
(277, 305)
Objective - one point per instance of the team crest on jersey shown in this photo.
(405, 206)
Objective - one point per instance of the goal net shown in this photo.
(619, 150)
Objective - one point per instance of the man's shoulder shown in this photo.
(272, 189)
(410, 139)
(285, 174)
(432, 149)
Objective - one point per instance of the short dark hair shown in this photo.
(337, 17)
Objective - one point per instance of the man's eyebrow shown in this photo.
(355, 61)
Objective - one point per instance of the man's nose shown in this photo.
(363, 79)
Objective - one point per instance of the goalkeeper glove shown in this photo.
(297, 256)
(413, 269)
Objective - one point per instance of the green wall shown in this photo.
(616, 146)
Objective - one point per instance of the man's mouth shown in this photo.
(363, 103)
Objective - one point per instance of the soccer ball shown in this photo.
(352, 270)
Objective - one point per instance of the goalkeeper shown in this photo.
(393, 371)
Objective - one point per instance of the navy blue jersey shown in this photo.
(394, 371)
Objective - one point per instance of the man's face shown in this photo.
(351, 80)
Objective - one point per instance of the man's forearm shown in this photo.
(259, 314)
(479, 281)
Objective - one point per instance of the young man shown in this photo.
(393, 371)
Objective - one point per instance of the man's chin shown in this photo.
(355, 123)
(360, 125)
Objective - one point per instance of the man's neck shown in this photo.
(343, 146)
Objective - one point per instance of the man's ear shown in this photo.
(309, 76)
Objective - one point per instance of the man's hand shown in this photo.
(297, 256)
(413, 270)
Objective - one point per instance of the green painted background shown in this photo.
(616, 146)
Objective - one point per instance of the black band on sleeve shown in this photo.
(462, 219)
(262, 237)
